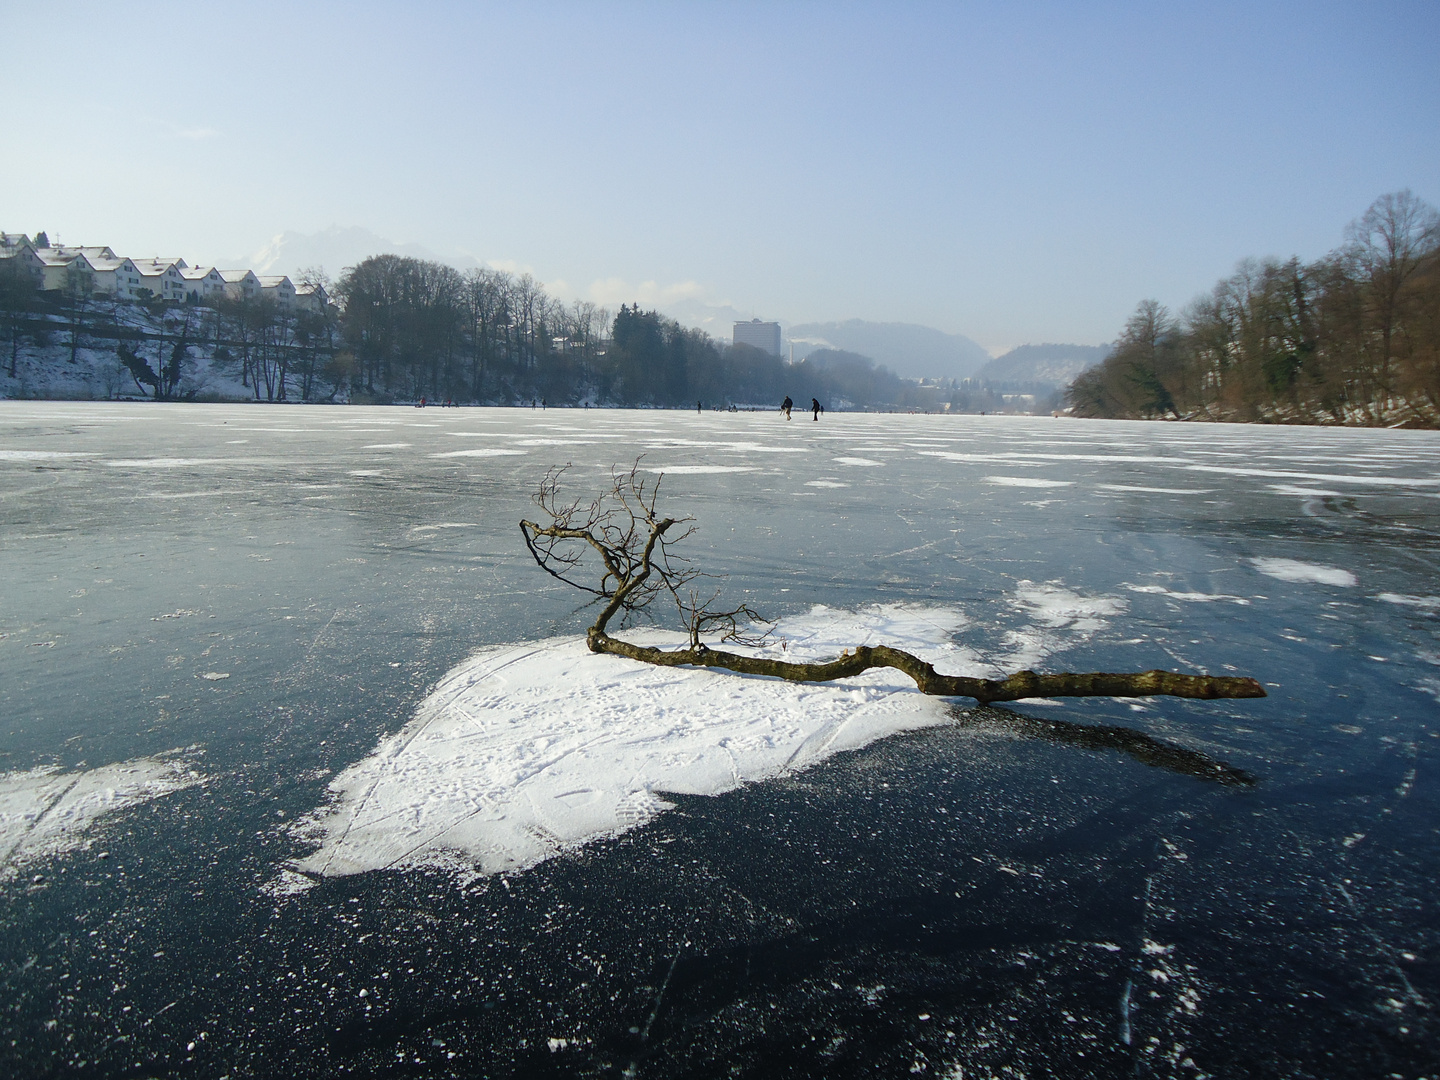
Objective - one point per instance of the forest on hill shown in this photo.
(1352, 338)
(410, 329)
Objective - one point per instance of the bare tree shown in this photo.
(17, 300)
(1389, 244)
(635, 546)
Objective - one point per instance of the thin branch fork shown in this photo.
(632, 542)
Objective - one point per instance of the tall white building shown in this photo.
(760, 335)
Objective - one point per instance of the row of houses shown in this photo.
(100, 271)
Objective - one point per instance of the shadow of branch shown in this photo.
(1141, 747)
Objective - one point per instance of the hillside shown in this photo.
(1054, 365)
(909, 350)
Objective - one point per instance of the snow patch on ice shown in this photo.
(1154, 490)
(1188, 597)
(1061, 618)
(697, 469)
(489, 451)
(1305, 573)
(525, 751)
(46, 812)
(859, 462)
(1026, 482)
(1324, 478)
(1021, 458)
(1406, 600)
(169, 462)
(737, 447)
(41, 455)
(1299, 489)
(1053, 605)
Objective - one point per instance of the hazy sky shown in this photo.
(1014, 172)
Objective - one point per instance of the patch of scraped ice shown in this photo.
(1060, 619)
(1188, 597)
(737, 447)
(41, 455)
(1021, 458)
(1026, 481)
(1053, 605)
(1305, 573)
(1154, 490)
(489, 451)
(45, 812)
(172, 462)
(1324, 478)
(525, 751)
(1406, 600)
(1301, 490)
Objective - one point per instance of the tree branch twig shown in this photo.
(633, 544)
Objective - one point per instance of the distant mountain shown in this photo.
(911, 351)
(334, 248)
(1054, 364)
(717, 320)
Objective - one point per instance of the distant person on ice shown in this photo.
(816, 407)
(786, 406)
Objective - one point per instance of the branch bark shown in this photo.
(1022, 684)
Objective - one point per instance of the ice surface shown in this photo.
(46, 812)
(341, 585)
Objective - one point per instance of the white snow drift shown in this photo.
(528, 750)
(46, 812)
(1305, 573)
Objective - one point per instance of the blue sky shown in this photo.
(1013, 172)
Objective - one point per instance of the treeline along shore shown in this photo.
(401, 329)
(1352, 338)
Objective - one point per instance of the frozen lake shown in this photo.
(306, 771)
